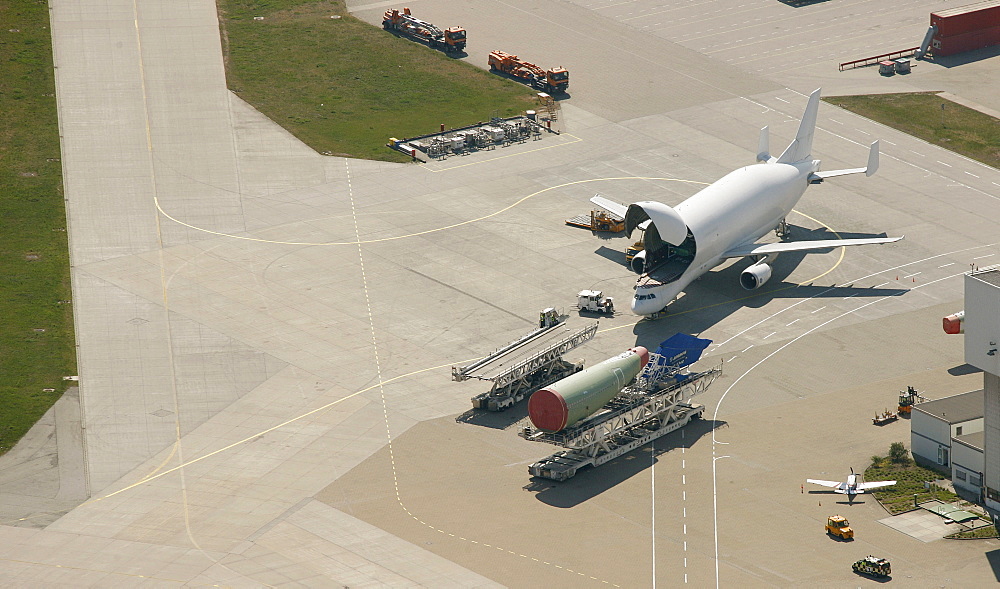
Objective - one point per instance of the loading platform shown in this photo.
(524, 366)
(657, 404)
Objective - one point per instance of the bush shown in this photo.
(898, 453)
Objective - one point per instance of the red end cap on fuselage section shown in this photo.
(643, 355)
(548, 410)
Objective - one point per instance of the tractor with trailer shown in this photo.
(552, 80)
(452, 40)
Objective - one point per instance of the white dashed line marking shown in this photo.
(915, 273)
(836, 121)
(747, 348)
(887, 141)
(942, 163)
(853, 295)
(981, 257)
(782, 99)
(946, 265)
(770, 334)
(971, 174)
(878, 285)
(788, 324)
(818, 310)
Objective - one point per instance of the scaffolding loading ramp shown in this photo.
(657, 404)
(539, 369)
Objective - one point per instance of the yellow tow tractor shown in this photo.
(837, 525)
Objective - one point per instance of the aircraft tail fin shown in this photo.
(801, 148)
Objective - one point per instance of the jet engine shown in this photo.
(755, 276)
(639, 262)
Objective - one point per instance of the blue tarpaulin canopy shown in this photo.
(680, 350)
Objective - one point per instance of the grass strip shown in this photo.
(344, 87)
(37, 344)
(934, 119)
(910, 480)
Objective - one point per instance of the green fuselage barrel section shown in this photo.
(580, 395)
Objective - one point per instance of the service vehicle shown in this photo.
(452, 40)
(551, 80)
(837, 525)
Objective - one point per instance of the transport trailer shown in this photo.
(566, 463)
(532, 362)
(656, 404)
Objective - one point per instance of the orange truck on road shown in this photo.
(451, 40)
(552, 80)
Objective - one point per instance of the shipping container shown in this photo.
(965, 19)
(945, 46)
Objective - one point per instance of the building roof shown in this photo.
(956, 409)
(989, 276)
(974, 441)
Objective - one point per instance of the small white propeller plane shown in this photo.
(852, 486)
(726, 219)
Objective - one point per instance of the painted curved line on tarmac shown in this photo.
(159, 208)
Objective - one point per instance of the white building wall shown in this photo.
(982, 323)
(927, 435)
(972, 426)
(982, 350)
(991, 442)
(966, 467)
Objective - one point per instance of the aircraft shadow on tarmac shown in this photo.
(718, 294)
(591, 482)
(495, 419)
(993, 557)
(801, 3)
(855, 501)
(963, 370)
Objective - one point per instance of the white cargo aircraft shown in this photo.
(851, 487)
(724, 220)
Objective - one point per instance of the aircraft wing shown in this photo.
(834, 484)
(609, 205)
(761, 249)
(875, 485)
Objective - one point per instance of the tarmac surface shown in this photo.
(265, 334)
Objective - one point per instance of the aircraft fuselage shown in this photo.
(739, 208)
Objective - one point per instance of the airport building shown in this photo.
(982, 350)
(936, 425)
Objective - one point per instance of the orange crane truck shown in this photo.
(552, 80)
(452, 40)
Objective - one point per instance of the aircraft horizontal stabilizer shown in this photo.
(761, 249)
(868, 170)
(609, 205)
